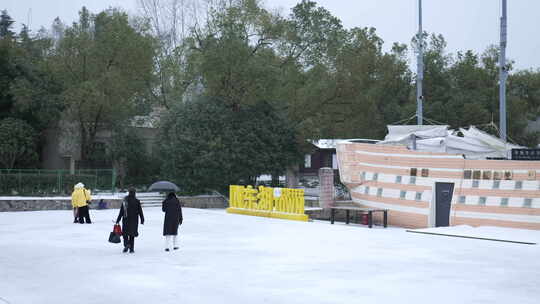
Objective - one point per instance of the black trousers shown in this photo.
(84, 215)
(129, 241)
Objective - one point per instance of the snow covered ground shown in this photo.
(226, 258)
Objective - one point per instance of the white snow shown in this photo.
(227, 258)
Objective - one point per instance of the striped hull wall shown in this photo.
(502, 193)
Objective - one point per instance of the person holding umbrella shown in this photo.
(173, 218)
(130, 212)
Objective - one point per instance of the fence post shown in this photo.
(58, 180)
(113, 178)
(326, 196)
(19, 179)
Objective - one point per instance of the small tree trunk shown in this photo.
(275, 180)
(291, 177)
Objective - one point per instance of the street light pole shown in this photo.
(503, 74)
(419, 67)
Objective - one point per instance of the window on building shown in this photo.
(366, 190)
(486, 174)
(425, 172)
(402, 194)
(504, 201)
(482, 200)
(307, 161)
(375, 176)
(462, 199)
(412, 181)
(496, 184)
(467, 174)
(475, 183)
(519, 184)
(379, 192)
(398, 179)
(413, 171)
(527, 203)
(418, 196)
(476, 174)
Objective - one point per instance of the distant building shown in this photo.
(324, 155)
(62, 146)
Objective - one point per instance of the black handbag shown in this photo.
(114, 238)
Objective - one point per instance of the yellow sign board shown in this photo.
(281, 203)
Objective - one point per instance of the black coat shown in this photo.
(173, 215)
(130, 221)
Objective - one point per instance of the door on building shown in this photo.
(443, 201)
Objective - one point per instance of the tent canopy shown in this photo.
(474, 143)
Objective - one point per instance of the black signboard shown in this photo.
(525, 154)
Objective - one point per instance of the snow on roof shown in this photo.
(332, 143)
(326, 143)
(474, 143)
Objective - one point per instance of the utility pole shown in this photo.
(419, 67)
(503, 73)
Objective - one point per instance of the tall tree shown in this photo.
(105, 64)
(6, 24)
(170, 22)
(8, 69)
(207, 145)
(17, 143)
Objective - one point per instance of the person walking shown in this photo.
(79, 200)
(173, 218)
(130, 211)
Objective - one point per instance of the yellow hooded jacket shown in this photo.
(79, 197)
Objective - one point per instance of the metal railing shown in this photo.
(54, 182)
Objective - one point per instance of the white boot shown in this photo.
(168, 239)
(175, 244)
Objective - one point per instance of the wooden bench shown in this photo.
(368, 211)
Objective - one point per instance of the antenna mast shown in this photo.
(503, 73)
(419, 67)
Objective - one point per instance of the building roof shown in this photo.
(326, 143)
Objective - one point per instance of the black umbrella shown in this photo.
(163, 186)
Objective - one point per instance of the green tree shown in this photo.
(17, 143)
(8, 68)
(207, 145)
(134, 165)
(232, 56)
(35, 90)
(6, 23)
(524, 103)
(104, 63)
(340, 84)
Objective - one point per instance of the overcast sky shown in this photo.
(465, 24)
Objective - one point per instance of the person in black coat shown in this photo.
(130, 212)
(173, 218)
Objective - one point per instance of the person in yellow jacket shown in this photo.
(79, 200)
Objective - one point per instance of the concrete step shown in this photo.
(153, 198)
(151, 204)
